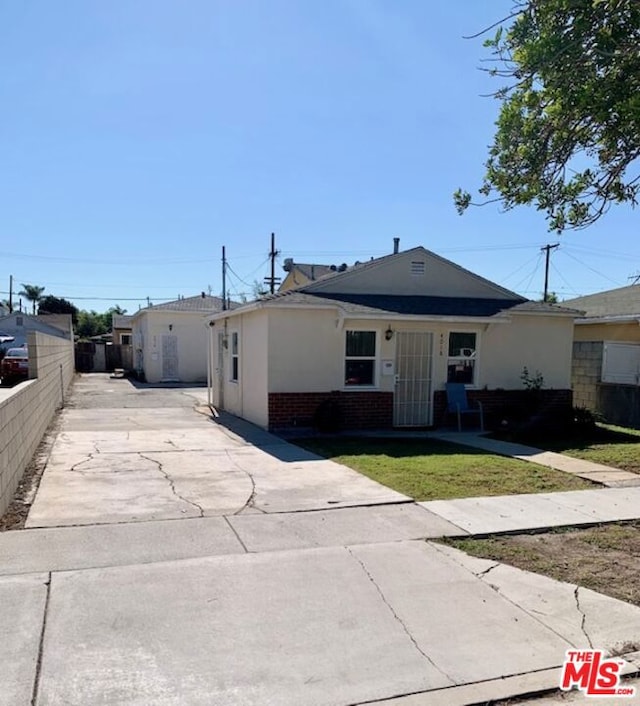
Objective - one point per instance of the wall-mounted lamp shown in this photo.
(170, 327)
(388, 334)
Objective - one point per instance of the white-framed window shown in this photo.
(462, 358)
(235, 357)
(360, 358)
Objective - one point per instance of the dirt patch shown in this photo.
(605, 558)
(16, 515)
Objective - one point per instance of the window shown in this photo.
(234, 357)
(360, 358)
(461, 362)
(125, 339)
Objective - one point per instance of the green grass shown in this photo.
(610, 445)
(428, 469)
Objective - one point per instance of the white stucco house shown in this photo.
(381, 340)
(170, 339)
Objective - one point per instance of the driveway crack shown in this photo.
(252, 496)
(84, 460)
(398, 618)
(172, 484)
(36, 680)
(576, 594)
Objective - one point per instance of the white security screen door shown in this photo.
(413, 401)
(169, 357)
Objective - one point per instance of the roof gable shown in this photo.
(415, 272)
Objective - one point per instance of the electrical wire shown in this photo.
(600, 274)
(531, 276)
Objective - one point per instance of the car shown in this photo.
(14, 366)
(6, 337)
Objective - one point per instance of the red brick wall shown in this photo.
(359, 410)
(374, 410)
(496, 403)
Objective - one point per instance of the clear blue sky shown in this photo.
(139, 136)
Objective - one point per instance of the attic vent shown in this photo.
(417, 267)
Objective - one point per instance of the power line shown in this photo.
(590, 268)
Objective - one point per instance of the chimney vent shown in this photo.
(288, 264)
(396, 246)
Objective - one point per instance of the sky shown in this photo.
(138, 137)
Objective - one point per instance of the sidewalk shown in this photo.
(273, 577)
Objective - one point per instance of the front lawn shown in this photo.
(610, 445)
(429, 469)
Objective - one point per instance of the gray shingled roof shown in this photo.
(204, 303)
(417, 305)
(624, 301)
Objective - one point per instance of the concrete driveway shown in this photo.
(171, 560)
(129, 455)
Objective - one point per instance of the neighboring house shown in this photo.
(20, 324)
(299, 274)
(380, 340)
(121, 329)
(606, 354)
(170, 340)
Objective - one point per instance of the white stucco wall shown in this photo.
(190, 328)
(246, 397)
(542, 343)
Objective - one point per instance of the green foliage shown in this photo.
(90, 323)
(568, 132)
(32, 293)
(532, 382)
(57, 305)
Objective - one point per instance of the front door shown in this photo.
(413, 401)
(169, 358)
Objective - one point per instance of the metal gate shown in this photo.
(169, 358)
(413, 399)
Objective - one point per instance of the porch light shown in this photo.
(388, 334)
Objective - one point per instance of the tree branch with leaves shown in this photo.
(567, 137)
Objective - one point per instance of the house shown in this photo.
(170, 339)
(380, 340)
(606, 354)
(121, 329)
(18, 324)
(299, 274)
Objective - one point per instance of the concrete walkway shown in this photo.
(595, 472)
(172, 560)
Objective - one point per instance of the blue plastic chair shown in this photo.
(458, 404)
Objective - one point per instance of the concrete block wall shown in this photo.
(27, 409)
(586, 371)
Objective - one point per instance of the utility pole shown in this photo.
(224, 278)
(548, 249)
(273, 280)
(11, 294)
